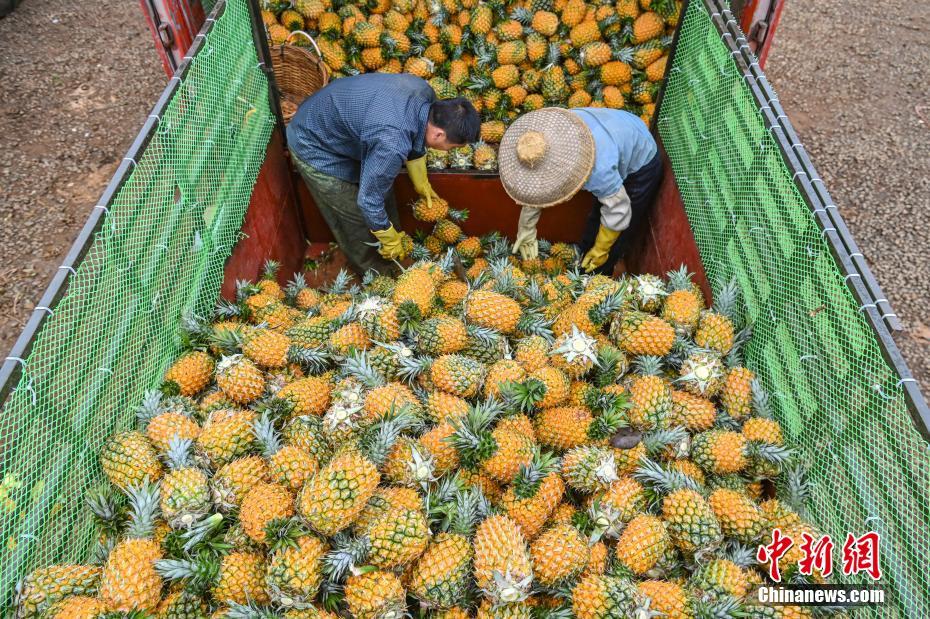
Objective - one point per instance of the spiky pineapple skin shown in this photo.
(441, 575)
(337, 494)
(500, 547)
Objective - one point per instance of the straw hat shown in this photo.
(545, 157)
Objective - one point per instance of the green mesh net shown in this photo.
(838, 400)
(159, 252)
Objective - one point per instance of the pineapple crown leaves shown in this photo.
(727, 299)
(341, 284)
(679, 279)
(199, 573)
(227, 341)
(563, 611)
(267, 436)
(143, 509)
(761, 404)
(611, 418)
(522, 397)
(718, 607)
(663, 480)
(472, 437)
(313, 360)
(659, 440)
(275, 407)
(794, 487)
(740, 554)
(151, 406)
(346, 552)
(773, 454)
(610, 363)
(108, 509)
(180, 453)
(194, 332)
(532, 322)
(457, 508)
(102, 549)
(284, 533)
(533, 295)
(599, 521)
(245, 289)
(204, 538)
(376, 441)
(295, 286)
(734, 358)
(270, 270)
(648, 365)
(724, 421)
(356, 365)
(251, 611)
(527, 481)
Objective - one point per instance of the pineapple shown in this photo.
(720, 452)
(442, 335)
(294, 571)
(240, 379)
(78, 607)
(442, 406)
(129, 581)
(375, 595)
(721, 577)
(503, 568)
(600, 596)
(500, 374)
(536, 491)
(241, 579)
(669, 598)
(556, 386)
(574, 353)
(558, 554)
(642, 544)
(715, 330)
(166, 420)
(128, 459)
(262, 504)
(226, 435)
(589, 469)
(650, 396)
(191, 373)
(308, 396)
(492, 310)
(457, 375)
(398, 538)
(431, 211)
(623, 500)
(440, 578)
(692, 412)
(185, 492)
(461, 159)
(337, 494)
(563, 428)
(638, 333)
(45, 587)
(682, 308)
(736, 393)
(702, 374)
(647, 26)
(739, 517)
(233, 480)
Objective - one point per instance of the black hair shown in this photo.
(458, 118)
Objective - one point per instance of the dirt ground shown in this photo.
(78, 80)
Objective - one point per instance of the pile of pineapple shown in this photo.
(506, 56)
(478, 437)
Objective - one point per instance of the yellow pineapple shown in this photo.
(398, 538)
(240, 379)
(226, 435)
(262, 504)
(191, 373)
(668, 598)
(127, 459)
(599, 596)
(558, 554)
(294, 571)
(375, 595)
(492, 310)
(643, 542)
(337, 494)
(441, 576)
(45, 587)
(457, 375)
(503, 569)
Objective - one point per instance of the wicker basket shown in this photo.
(298, 72)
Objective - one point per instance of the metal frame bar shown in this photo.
(11, 370)
(845, 251)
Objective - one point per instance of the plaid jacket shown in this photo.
(362, 130)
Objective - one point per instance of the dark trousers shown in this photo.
(338, 203)
(641, 186)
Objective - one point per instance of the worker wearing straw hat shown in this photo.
(548, 155)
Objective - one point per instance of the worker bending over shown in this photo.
(349, 141)
(547, 155)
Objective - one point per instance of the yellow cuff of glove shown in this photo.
(597, 255)
(416, 169)
(394, 245)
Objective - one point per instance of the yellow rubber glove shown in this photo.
(416, 169)
(392, 244)
(597, 255)
(526, 243)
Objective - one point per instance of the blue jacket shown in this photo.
(622, 145)
(362, 130)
